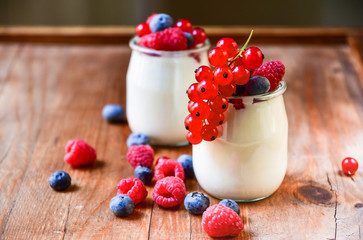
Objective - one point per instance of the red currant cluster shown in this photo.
(208, 97)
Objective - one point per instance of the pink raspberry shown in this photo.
(160, 159)
(169, 192)
(274, 71)
(221, 221)
(168, 167)
(132, 187)
(140, 155)
(170, 39)
(79, 153)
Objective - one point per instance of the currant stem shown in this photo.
(243, 48)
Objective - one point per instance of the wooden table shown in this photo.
(54, 83)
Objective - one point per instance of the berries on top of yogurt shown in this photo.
(159, 33)
(234, 72)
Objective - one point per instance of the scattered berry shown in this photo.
(122, 205)
(132, 187)
(113, 113)
(79, 153)
(190, 39)
(274, 71)
(231, 204)
(217, 57)
(160, 159)
(170, 39)
(168, 168)
(257, 85)
(145, 174)
(221, 221)
(229, 45)
(169, 192)
(160, 22)
(199, 36)
(186, 161)
(350, 166)
(59, 180)
(196, 203)
(142, 29)
(140, 155)
(185, 25)
(252, 57)
(137, 139)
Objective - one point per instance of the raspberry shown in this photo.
(168, 168)
(132, 187)
(170, 39)
(221, 221)
(273, 71)
(79, 153)
(169, 192)
(140, 155)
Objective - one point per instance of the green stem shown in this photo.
(243, 48)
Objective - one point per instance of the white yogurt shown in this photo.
(248, 162)
(156, 91)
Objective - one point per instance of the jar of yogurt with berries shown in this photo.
(239, 134)
(161, 68)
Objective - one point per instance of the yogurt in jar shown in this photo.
(156, 91)
(248, 162)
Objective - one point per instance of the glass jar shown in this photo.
(156, 91)
(248, 161)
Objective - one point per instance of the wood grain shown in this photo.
(52, 93)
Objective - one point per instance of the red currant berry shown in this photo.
(349, 166)
(223, 75)
(203, 73)
(241, 75)
(215, 119)
(190, 104)
(227, 90)
(193, 124)
(252, 57)
(209, 133)
(200, 110)
(218, 104)
(237, 62)
(229, 45)
(194, 137)
(207, 89)
(142, 29)
(185, 25)
(217, 57)
(199, 35)
(193, 93)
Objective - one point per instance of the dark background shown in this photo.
(332, 13)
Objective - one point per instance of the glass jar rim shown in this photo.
(263, 97)
(134, 46)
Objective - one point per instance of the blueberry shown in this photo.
(196, 203)
(257, 85)
(160, 22)
(190, 38)
(231, 204)
(187, 162)
(137, 139)
(122, 205)
(145, 174)
(113, 113)
(59, 180)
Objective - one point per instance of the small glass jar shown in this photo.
(248, 161)
(155, 93)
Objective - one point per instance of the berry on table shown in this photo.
(194, 138)
(59, 180)
(145, 174)
(274, 71)
(185, 25)
(79, 153)
(229, 45)
(257, 85)
(137, 139)
(217, 57)
(204, 73)
(122, 205)
(169, 192)
(252, 57)
(113, 113)
(160, 159)
(207, 89)
(223, 75)
(186, 161)
(140, 155)
(221, 221)
(199, 35)
(231, 204)
(142, 29)
(160, 22)
(196, 203)
(350, 166)
(132, 187)
(168, 168)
